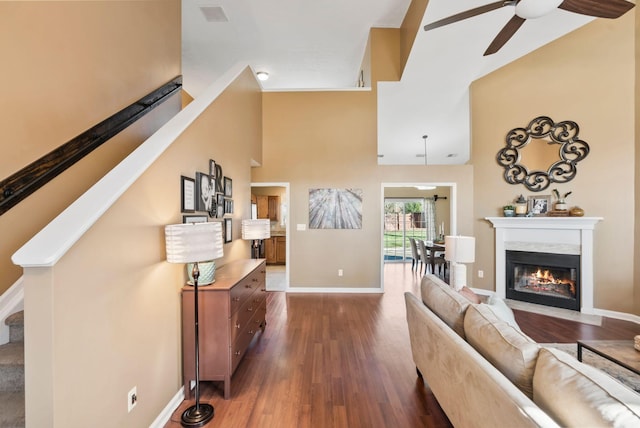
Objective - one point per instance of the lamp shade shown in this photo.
(259, 228)
(460, 249)
(190, 243)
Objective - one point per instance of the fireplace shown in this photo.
(554, 235)
(543, 278)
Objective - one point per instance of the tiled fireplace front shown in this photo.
(545, 260)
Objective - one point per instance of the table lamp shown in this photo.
(195, 243)
(459, 250)
(256, 230)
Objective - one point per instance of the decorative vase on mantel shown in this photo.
(561, 205)
(509, 211)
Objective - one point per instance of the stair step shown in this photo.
(12, 367)
(12, 409)
(16, 326)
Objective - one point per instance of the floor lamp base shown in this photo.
(194, 417)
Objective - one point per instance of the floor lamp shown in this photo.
(194, 243)
(256, 230)
(459, 250)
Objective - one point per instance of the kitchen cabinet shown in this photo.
(274, 208)
(276, 250)
(268, 207)
(262, 202)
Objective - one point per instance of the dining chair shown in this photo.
(416, 255)
(424, 255)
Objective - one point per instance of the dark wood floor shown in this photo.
(344, 360)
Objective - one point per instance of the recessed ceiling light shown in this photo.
(262, 75)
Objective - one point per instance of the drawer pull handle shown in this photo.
(247, 286)
(254, 279)
(237, 353)
(237, 325)
(251, 332)
(236, 299)
(250, 309)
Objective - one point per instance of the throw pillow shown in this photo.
(508, 349)
(470, 295)
(575, 394)
(499, 307)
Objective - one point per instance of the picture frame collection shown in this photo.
(211, 193)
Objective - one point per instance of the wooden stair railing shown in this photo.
(18, 186)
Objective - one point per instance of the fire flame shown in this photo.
(546, 277)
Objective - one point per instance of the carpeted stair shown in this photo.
(12, 374)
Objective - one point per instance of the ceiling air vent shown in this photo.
(214, 14)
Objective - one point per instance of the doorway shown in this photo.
(271, 200)
(421, 211)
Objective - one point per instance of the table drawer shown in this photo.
(242, 342)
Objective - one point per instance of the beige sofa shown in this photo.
(485, 372)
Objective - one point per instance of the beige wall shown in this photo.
(113, 321)
(411, 26)
(66, 67)
(328, 139)
(588, 77)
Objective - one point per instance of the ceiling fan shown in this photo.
(529, 9)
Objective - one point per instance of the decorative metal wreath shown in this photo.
(572, 150)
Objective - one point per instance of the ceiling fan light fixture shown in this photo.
(262, 75)
(531, 9)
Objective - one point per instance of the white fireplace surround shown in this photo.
(561, 235)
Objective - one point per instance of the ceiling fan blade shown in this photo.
(505, 34)
(598, 8)
(468, 14)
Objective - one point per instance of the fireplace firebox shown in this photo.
(543, 278)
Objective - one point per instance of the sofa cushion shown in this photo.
(445, 302)
(508, 349)
(579, 395)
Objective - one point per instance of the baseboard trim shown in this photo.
(166, 413)
(617, 315)
(11, 301)
(334, 290)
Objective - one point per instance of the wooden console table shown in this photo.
(231, 311)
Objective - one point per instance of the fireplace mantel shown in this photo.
(574, 234)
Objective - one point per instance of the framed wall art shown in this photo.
(228, 190)
(220, 203)
(228, 230)
(204, 192)
(228, 206)
(335, 208)
(187, 194)
(194, 219)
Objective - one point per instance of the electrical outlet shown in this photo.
(480, 274)
(340, 272)
(132, 398)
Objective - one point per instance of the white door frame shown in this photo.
(287, 226)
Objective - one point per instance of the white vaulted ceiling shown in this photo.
(320, 45)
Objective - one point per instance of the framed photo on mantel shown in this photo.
(539, 205)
